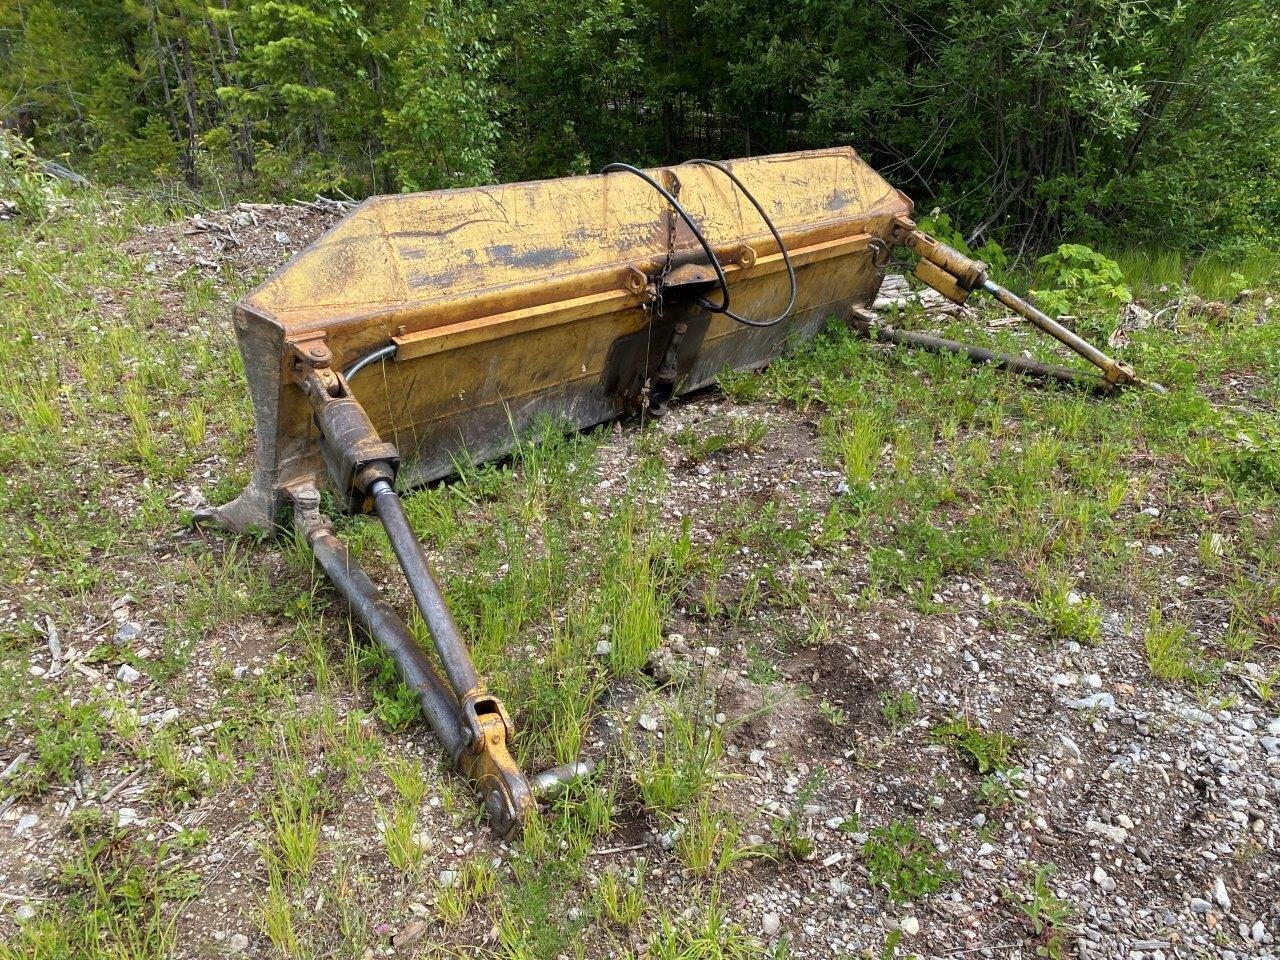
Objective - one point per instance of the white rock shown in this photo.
(1155, 550)
(771, 924)
(1114, 834)
(1200, 905)
(25, 823)
(1220, 896)
(25, 913)
(1094, 701)
(648, 722)
(448, 878)
(126, 816)
(1071, 747)
(1093, 681)
(604, 648)
(237, 943)
(910, 926)
(1258, 931)
(1103, 879)
(126, 674)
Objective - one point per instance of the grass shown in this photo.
(898, 709)
(1171, 655)
(1068, 614)
(124, 390)
(710, 842)
(672, 772)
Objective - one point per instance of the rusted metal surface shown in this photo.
(510, 301)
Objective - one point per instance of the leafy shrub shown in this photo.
(1076, 276)
(22, 181)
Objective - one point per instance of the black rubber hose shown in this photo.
(782, 248)
(666, 194)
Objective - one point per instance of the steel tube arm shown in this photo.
(444, 632)
(1114, 371)
(1031, 368)
(384, 625)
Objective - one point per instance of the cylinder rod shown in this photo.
(1004, 361)
(1114, 371)
(435, 612)
(384, 625)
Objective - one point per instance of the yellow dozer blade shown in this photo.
(499, 303)
(430, 329)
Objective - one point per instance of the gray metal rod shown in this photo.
(384, 625)
(1048, 325)
(1005, 361)
(444, 632)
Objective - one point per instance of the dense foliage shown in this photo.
(1156, 119)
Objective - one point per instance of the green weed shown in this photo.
(902, 861)
(987, 751)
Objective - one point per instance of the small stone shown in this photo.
(126, 674)
(448, 878)
(126, 816)
(128, 631)
(1103, 879)
(237, 943)
(648, 723)
(604, 648)
(1220, 896)
(26, 822)
(1114, 834)
(282, 238)
(1095, 701)
(1071, 747)
(1258, 931)
(25, 913)
(1155, 550)
(410, 935)
(910, 926)
(240, 672)
(1184, 581)
(1093, 681)
(1200, 905)
(1124, 821)
(771, 924)
(979, 820)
